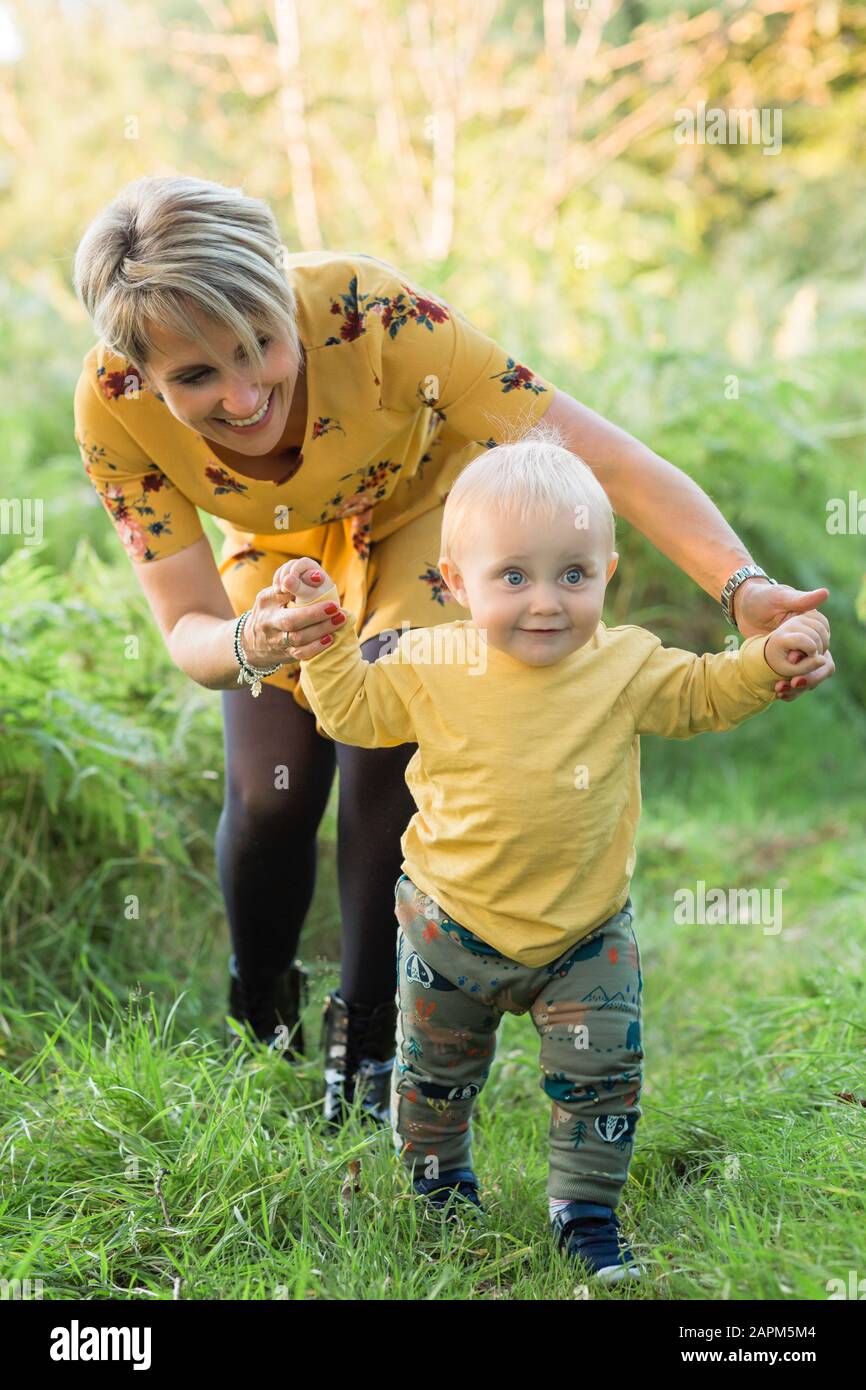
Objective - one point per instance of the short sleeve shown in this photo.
(150, 515)
(433, 355)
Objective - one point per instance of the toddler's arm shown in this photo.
(355, 701)
(677, 694)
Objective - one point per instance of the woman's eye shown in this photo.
(574, 569)
(264, 343)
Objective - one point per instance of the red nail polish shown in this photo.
(326, 639)
(340, 618)
(331, 608)
(315, 576)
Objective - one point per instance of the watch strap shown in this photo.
(737, 578)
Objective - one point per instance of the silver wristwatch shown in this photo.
(736, 579)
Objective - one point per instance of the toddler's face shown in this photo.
(536, 590)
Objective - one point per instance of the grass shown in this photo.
(143, 1159)
(140, 1159)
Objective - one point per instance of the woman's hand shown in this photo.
(762, 607)
(304, 580)
(282, 625)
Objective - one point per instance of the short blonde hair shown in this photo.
(166, 246)
(533, 478)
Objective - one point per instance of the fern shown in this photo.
(92, 745)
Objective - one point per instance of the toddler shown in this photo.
(515, 890)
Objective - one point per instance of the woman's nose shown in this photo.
(242, 400)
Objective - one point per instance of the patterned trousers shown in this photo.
(452, 991)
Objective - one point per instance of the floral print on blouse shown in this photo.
(401, 388)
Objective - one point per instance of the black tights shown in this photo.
(278, 777)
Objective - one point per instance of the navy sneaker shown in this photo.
(454, 1190)
(589, 1231)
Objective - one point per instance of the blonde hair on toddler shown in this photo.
(533, 477)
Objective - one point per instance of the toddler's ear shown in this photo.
(453, 580)
(611, 569)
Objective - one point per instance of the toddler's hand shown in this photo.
(304, 578)
(805, 632)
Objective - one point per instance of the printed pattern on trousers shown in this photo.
(452, 991)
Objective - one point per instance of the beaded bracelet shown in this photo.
(251, 675)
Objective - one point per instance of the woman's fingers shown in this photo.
(792, 689)
(307, 626)
(310, 649)
(281, 627)
(302, 619)
(315, 638)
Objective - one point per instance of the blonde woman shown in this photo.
(318, 404)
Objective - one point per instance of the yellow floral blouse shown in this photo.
(403, 391)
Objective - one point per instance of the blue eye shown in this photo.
(574, 569)
(507, 572)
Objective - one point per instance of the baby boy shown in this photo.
(515, 890)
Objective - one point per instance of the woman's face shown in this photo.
(213, 401)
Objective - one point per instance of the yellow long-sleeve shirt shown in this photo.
(527, 779)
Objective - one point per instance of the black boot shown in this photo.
(274, 1012)
(359, 1045)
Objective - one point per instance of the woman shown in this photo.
(317, 404)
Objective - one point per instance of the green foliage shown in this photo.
(718, 318)
(769, 460)
(93, 739)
